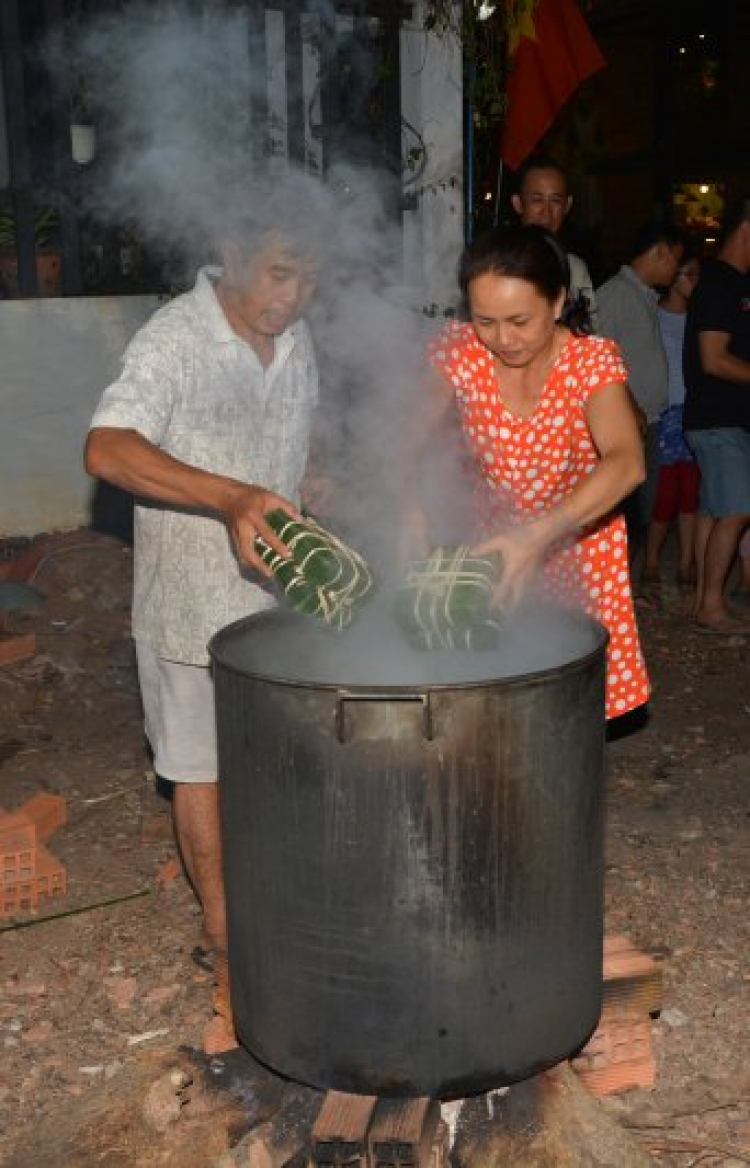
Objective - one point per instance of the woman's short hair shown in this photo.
(523, 253)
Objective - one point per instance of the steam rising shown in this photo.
(170, 93)
(175, 98)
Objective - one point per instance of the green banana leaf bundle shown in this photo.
(444, 602)
(321, 575)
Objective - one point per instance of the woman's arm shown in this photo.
(620, 470)
(130, 461)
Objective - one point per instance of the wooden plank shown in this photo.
(19, 158)
(295, 98)
(258, 94)
(339, 1137)
(391, 83)
(402, 1133)
(68, 175)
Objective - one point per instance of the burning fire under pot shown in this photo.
(413, 850)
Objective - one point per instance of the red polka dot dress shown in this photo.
(533, 463)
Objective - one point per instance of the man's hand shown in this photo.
(245, 516)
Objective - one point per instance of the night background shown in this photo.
(660, 131)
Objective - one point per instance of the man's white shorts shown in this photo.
(180, 717)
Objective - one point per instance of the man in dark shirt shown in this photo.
(716, 361)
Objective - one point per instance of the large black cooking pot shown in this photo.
(413, 851)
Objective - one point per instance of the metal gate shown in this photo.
(332, 79)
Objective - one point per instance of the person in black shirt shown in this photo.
(716, 366)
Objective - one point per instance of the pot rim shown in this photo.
(381, 689)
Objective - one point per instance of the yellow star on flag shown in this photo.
(521, 23)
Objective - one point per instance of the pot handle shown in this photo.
(427, 724)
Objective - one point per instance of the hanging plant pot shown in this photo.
(48, 273)
(82, 142)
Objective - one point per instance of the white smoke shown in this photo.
(182, 157)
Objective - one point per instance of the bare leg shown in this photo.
(721, 548)
(196, 819)
(703, 528)
(656, 534)
(686, 532)
(743, 585)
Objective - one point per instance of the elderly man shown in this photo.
(717, 415)
(543, 200)
(208, 426)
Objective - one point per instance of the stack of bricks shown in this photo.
(619, 1055)
(28, 870)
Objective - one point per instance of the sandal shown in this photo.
(723, 628)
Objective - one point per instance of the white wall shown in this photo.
(56, 357)
(432, 105)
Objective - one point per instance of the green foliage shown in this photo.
(484, 44)
(46, 222)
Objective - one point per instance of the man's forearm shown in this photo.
(730, 368)
(128, 460)
(718, 360)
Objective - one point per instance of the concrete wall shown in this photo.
(432, 109)
(56, 357)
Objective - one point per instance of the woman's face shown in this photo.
(512, 318)
(687, 277)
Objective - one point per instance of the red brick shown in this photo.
(17, 849)
(16, 648)
(17, 898)
(619, 1055)
(27, 869)
(51, 877)
(632, 978)
(46, 811)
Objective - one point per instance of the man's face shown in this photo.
(669, 258)
(543, 200)
(272, 289)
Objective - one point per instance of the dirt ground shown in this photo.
(98, 1006)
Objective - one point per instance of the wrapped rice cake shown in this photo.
(321, 576)
(445, 601)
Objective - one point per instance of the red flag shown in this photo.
(551, 51)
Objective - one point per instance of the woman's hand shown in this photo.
(521, 550)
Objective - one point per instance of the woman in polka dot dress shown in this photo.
(548, 417)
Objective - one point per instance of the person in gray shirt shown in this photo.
(627, 305)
